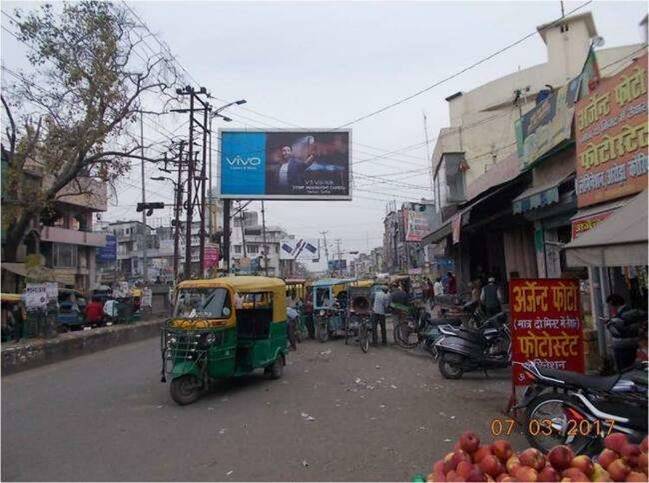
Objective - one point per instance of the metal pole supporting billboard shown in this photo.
(263, 234)
(226, 234)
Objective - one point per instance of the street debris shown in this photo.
(307, 417)
(229, 472)
(305, 463)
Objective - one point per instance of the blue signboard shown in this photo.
(280, 164)
(108, 253)
(337, 265)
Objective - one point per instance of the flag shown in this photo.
(589, 76)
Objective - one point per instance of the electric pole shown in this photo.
(177, 210)
(324, 236)
(145, 270)
(263, 234)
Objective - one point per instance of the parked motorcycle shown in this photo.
(577, 410)
(463, 349)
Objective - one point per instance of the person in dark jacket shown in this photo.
(491, 297)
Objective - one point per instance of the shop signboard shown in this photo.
(416, 225)
(285, 164)
(547, 327)
(211, 256)
(108, 253)
(582, 225)
(611, 135)
(302, 249)
(337, 265)
(547, 125)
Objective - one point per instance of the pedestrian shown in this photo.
(381, 303)
(491, 297)
(94, 311)
(147, 299)
(451, 284)
(438, 287)
(398, 295)
(291, 317)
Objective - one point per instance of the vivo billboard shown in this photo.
(284, 164)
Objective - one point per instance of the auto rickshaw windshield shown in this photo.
(193, 303)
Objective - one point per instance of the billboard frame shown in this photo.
(347, 197)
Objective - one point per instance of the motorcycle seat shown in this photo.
(599, 383)
(445, 321)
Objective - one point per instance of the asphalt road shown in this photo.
(337, 414)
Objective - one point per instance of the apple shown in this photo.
(631, 452)
(549, 474)
(618, 470)
(491, 465)
(505, 477)
(449, 464)
(464, 468)
(575, 474)
(469, 442)
(636, 476)
(512, 464)
(643, 463)
(583, 463)
(502, 449)
(616, 442)
(533, 458)
(561, 456)
(599, 473)
(460, 456)
(476, 475)
(644, 445)
(453, 476)
(438, 467)
(481, 452)
(525, 473)
(606, 457)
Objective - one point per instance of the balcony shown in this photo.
(84, 193)
(72, 237)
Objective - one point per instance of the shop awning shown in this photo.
(618, 241)
(538, 196)
(42, 272)
(439, 234)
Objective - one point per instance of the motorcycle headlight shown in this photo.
(322, 312)
(172, 340)
(210, 338)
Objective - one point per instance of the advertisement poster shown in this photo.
(108, 253)
(35, 296)
(416, 225)
(547, 327)
(337, 265)
(280, 164)
(211, 256)
(611, 134)
(547, 125)
(582, 225)
(299, 249)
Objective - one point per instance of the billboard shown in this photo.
(284, 164)
(611, 134)
(337, 265)
(299, 249)
(416, 225)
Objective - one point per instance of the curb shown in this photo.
(34, 353)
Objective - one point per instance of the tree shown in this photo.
(71, 119)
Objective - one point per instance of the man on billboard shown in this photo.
(291, 173)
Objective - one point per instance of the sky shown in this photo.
(323, 64)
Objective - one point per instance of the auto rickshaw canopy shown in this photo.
(10, 297)
(249, 284)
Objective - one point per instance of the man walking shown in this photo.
(491, 297)
(381, 303)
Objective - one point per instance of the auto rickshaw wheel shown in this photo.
(276, 369)
(322, 331)
(185, 389)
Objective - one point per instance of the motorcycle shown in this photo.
(464, 349)
(577, 410)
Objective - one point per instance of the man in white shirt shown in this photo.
(381, 303)
(438, 287)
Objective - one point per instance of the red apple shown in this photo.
(525, 473)
(616, 442)
(453, 476)
(449, 464)
(533, 458)
(636, 476)
(502, 449)
(505, 477)
(476, 475)
(644, 445)
(469, 442)
(491, 465)
(618, 470)
(631, 452)
(560, 457)
(438, 467)
(481, 453)
(512, 464)
(549, 474)
(575, 474)
(606, 457)
(464, 468)
(583, 463)
(460, 456)
(600, 474)
(643, 463)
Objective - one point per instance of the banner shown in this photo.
(416, 225)
(582, 225)
(546, 325)
(108, 253)
(611, 133)
(282, 164)
(547, 125)
(456, 227)
(211, 256)
(299, 249)
(35, 296)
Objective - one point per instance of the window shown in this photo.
(64, 255)
(237, 248)
(253, 249)
(253, 231)
(449, 180)
(203, 302)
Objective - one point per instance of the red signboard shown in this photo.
(546, 325)
(582, 225)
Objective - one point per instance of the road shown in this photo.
(337, 414)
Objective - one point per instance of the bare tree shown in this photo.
(70, 120)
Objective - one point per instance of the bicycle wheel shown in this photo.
(405, 336)
(364, 338)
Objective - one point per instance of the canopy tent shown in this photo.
(620, 240)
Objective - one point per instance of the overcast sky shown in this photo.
(321, 65)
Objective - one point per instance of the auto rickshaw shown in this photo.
(330, 307)
(223, 327)
(72, 307)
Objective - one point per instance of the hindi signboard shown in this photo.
(611, 135)
(284, 164)
(547, 327)
(583, 224)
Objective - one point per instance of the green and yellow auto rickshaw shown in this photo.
(224, 327)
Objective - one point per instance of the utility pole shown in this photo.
(209, 191)
(190, 182)
(144, 230)
(324, 236)
(339, 254)
(263, 234)
(177, 209)
(242, 219)
(432, 188)
(201, 262)
(226, 234)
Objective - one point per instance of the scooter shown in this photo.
(463, 349)
(569, 408)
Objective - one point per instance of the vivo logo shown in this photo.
(239, 161)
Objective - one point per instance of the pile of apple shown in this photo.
(620, 461)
